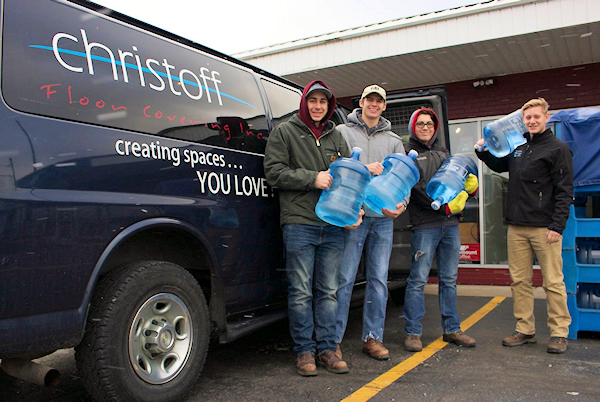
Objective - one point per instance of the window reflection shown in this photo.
(462, 138)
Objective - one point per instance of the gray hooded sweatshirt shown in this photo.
(376, 143)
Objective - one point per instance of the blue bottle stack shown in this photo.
(581, 268)
(340, 205)
(450, 178)
(580, 128)
(504, 135)
(400, 174)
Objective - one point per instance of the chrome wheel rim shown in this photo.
(160, 338)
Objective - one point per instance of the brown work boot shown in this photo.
(305, 365)
(460, 338)
(338, 351)
(517, 339)
(333, 363)
(413, 343)
(557, 345)
(375, 349)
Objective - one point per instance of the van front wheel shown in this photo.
(146, 335)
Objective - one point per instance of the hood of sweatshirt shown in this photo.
(304, 115)
(413, 121)
(355, 119)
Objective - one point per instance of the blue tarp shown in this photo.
(580, 130)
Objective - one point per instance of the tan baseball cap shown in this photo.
(373, 89)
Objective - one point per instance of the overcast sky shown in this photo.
(232, 26)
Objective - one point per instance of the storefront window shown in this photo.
(462, 138)
(482, 230)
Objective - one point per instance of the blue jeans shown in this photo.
(313, 257)
(425, 243)
(375, 235)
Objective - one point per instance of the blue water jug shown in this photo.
(588, 295)
(400, 174)
(504, 135)
(340, 205)
(449, 180)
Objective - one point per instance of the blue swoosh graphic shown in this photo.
(135, 67)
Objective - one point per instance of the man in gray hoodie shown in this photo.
(372, 133)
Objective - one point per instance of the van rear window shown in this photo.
(60, 60)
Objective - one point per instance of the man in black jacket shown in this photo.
(540, 192)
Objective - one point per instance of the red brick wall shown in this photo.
(563, 88)
(488, 276)
(558, 86)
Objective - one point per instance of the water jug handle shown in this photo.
(480, 147)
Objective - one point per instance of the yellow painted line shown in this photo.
(377, 385)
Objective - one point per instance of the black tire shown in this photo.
(146, 335)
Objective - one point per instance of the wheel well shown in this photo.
(165, 244)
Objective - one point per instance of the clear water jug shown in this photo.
(400, 174)
(340, 205)
(449, 180)
(504, 135)
(588, 295)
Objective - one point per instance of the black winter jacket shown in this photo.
(540, 184)
(422, 216)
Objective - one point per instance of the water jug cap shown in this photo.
(356, 151)
(352, 163)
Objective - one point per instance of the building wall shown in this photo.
(563, 88)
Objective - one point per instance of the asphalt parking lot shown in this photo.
(261, 367)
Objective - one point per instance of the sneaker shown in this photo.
(305, 365)
(413, 343)
(557, 345)
(375, 349)
(517, 339)
(338, 351)
(460, 338)
(333, 363)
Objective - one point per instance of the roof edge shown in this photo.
(400, 23)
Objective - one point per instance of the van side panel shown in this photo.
(103, 126)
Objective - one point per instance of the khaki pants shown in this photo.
(523, 241)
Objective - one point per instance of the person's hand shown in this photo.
(324, 179)
(388, 213)
(358, 222)
(375, 168)
(471, 184)
(552, 236)
(457, 204)
(479, 145)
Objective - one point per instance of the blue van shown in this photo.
(135, 220)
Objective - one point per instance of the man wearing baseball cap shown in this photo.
(371, 132)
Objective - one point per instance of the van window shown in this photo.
(99, 71)
(284, 102)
